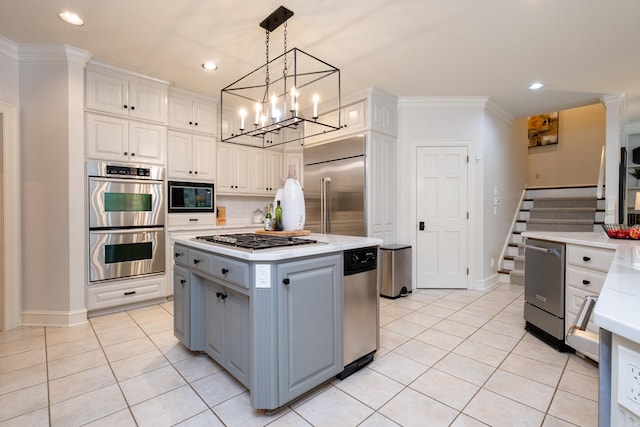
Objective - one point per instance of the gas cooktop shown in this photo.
(255, 241)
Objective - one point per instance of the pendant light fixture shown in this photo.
(279, 102)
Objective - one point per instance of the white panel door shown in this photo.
(441, 212)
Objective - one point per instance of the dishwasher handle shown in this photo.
(545, 250)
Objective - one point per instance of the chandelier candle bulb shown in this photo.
(243, 114)
(293, 99)
(258, 110)
(316, 98)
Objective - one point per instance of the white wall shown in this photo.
(52, 140)
(575, 160)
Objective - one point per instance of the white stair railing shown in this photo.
(600, 175)
(505, 248)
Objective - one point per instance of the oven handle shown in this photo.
(125, 180)
(545, 250)
(128, 230)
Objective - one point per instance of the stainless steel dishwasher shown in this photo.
(544, 280)
(361, 317)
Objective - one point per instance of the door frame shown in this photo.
(469, 144)
(12, 286)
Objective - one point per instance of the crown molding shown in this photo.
(443, 101)
(52, 54)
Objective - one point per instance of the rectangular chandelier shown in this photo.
(278, 102)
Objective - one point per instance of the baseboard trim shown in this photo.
(484, 284)
(54, 318)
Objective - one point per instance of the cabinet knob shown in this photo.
(224, 296)
(196, 261)
(195, 172)
(125, 106)
(190, 172)
(196, 123)
(586, 282)
(182, 282)
(218, 294)
(133, 107)
(126, 153)
(224, 271)
(286, 281)
(190, 123)
(178, 254)
(586, 258)
(133, 154)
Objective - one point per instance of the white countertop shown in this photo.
(618, 306)
(327, 243)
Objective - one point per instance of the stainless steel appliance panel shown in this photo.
(115, 202)
(117, 254)
(544, 286)
(190, 197)
(334, 177)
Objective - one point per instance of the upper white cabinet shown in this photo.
(113, 138)
(235, 170)
(192, 112)
(268, 170)
(191, 156)
(114, 92)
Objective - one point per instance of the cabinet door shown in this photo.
(180, 113)
(225, 169)
(204, 158)
(243, 168)
(275, 170)
(236, 306)
(148, 101)
(181, 305)
(180, 155)
(261, 178)
(204, 117)
(107, 137)
(215, 321)
(147, 142)
(107, 93)
(309, 323)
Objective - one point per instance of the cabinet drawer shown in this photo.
(200, 261)
(103, 296)
(180, 254)
(575, 298)
(586, 256)
(586, 279)
(193, 220)
(236, 272)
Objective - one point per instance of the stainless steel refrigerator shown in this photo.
(334, 187)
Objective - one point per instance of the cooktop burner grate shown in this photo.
(255, 241)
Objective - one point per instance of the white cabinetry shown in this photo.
(113, 138)
(235, 172)
(352, 119)
(381, 203)
(191, 112)
(191, 156)
(126, 292)
(267, 171)
(115, 92)
(586, 269)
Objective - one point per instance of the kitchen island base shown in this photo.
(274, 324)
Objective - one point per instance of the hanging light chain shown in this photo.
(284, 71)
(266, 80)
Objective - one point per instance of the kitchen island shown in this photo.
(617, 316)
(273, 318)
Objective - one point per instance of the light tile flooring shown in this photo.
(458, 358)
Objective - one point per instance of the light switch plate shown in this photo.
(263, 276)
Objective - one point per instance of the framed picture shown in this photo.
(543, 129)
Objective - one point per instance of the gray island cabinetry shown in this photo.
(272, 319)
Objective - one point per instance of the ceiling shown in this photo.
(581, 49)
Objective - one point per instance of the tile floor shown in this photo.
(458, 358)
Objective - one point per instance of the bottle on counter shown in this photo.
(268, 221)
(279, 226)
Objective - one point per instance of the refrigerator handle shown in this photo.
(324, 205)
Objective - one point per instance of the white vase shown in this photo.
(292, 204)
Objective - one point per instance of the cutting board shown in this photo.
(284, 233)
(222, 216)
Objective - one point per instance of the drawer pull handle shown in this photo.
(196, 261)
(586, 258)
(224, 271)
(586, 282)
(286, 281)
(130, 293)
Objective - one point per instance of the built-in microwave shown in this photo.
(190, 197)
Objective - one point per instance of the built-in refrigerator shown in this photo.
(334, 187)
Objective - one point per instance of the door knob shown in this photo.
(286, 281)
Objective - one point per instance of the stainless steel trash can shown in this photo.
(395, 271)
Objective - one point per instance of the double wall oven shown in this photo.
(126, 221)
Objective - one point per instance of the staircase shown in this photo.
(550, 209)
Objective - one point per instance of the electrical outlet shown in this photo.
(629, 379)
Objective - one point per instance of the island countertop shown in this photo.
(326, 243)
(619, 299)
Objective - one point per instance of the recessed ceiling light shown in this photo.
(71, 18)
(536, 86)
(209, 66)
